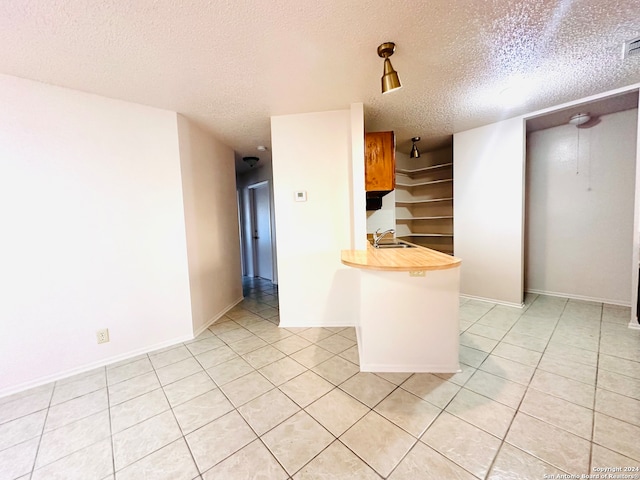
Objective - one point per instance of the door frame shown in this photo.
(252, 224)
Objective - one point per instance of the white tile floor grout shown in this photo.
(550, 389)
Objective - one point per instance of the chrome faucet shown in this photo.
(378, 236)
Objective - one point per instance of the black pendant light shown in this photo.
(251, 161)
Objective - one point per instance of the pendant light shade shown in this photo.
(415, 153)
(390, 79)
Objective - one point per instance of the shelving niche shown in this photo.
(424, 199)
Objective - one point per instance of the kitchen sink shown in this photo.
(395, 245)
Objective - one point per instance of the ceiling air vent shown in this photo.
(631, 48)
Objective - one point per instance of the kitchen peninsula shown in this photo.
(409, 299)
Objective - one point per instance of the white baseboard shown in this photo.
(491, 300)
(581, 297)
(216, 317)
(108, 361)
(634, 325)
(325, 325)
(386, 368)
(90, 366)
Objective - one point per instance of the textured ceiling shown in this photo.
(231, 64)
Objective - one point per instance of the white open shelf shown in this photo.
(430, 200)
(424, 200)
(425, 218)
(414, 171)
(418, 184)
(425, 235)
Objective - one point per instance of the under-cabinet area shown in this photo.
(424, 199)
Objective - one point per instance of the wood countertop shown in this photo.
(399, 259)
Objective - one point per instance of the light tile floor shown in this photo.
(549, 389)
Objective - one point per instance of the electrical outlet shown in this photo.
(103, 335)
(418, 273)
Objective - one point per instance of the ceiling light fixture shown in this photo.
(251, 161)
(390, 79)
(415, 153)
(579, 119)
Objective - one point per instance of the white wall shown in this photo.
(579, 209)
(213, 247)
(426, 159)
(93, 231)
(488, 210)
(312, 152)
(358, 196)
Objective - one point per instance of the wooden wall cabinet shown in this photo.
(380, 162)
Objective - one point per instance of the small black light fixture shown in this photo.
(415, 153)
(251, 161)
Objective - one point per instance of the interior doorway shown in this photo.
(261, 231)
(581, 199)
